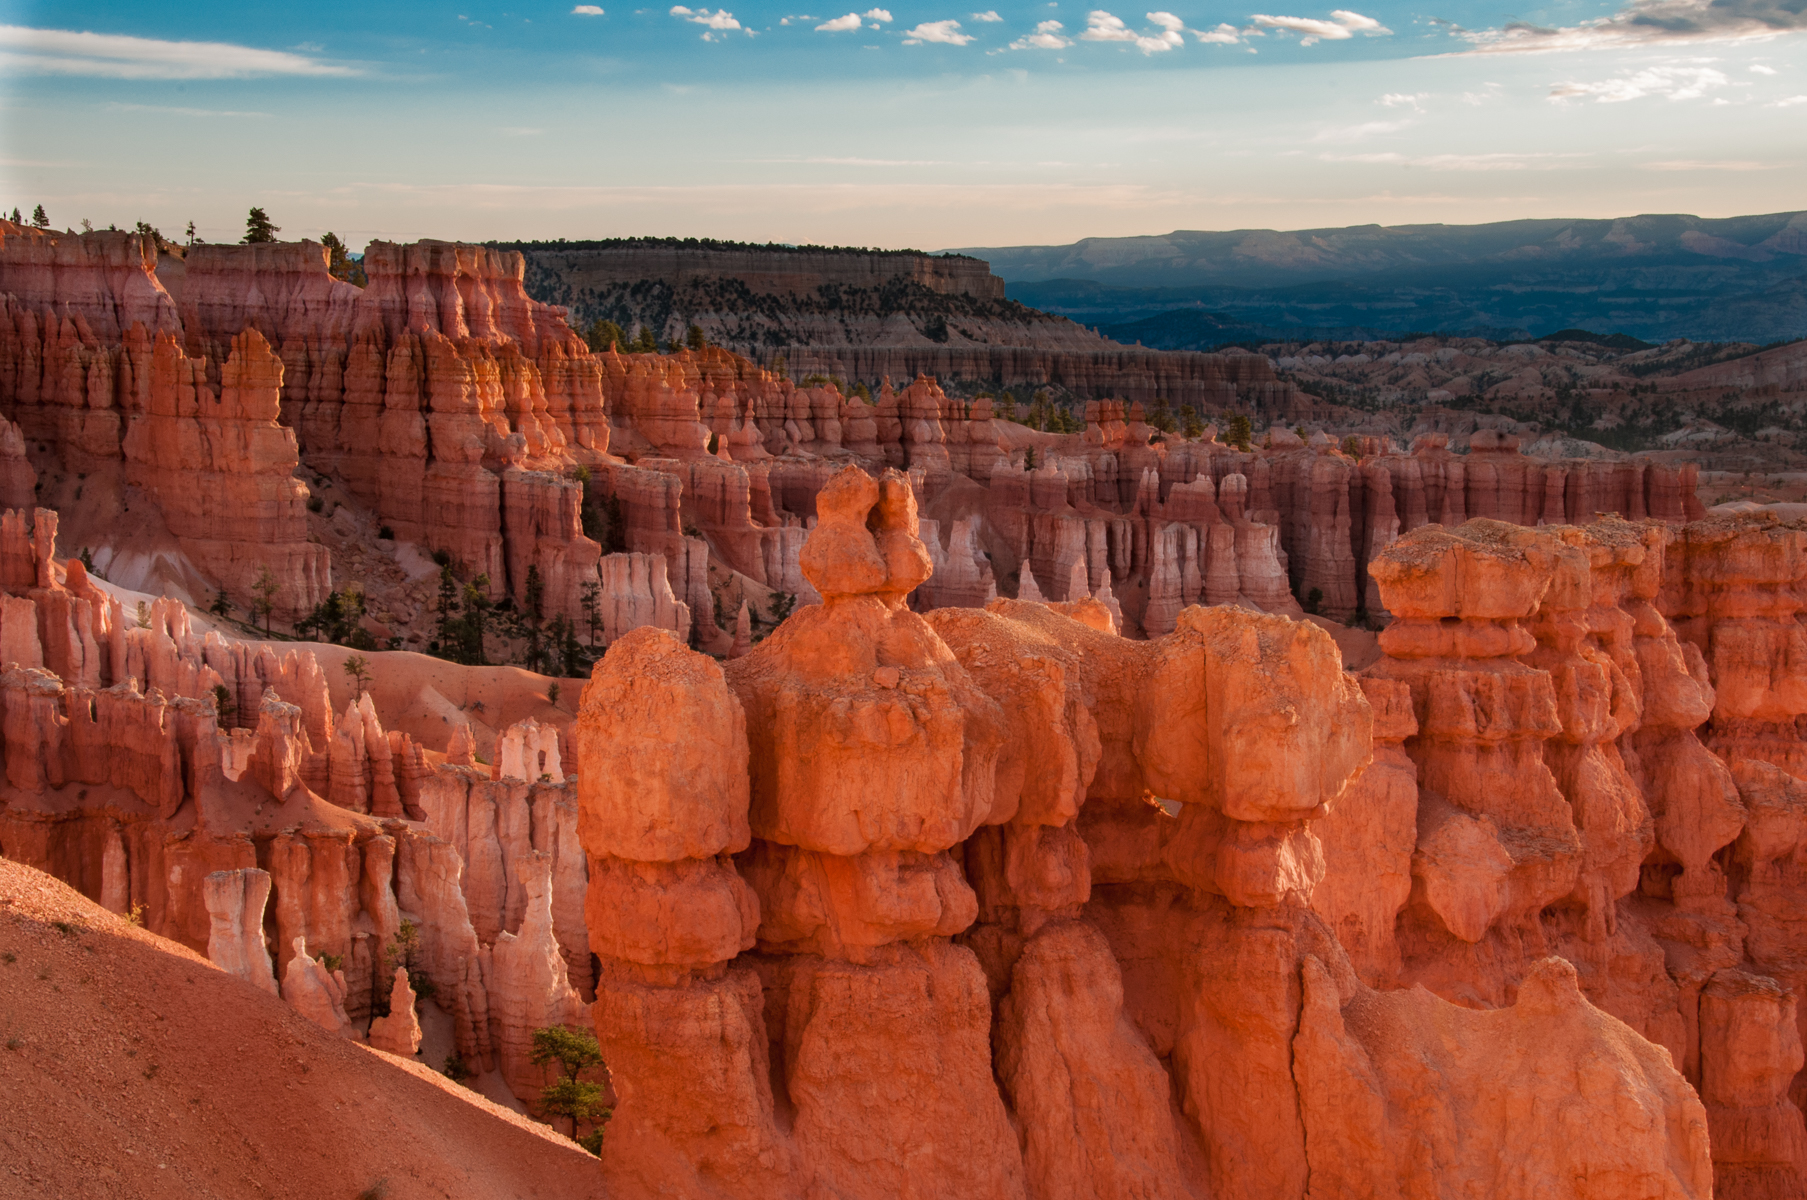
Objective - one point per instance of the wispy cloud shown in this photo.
(183, 112)
(1460, 162)
(1047, 36)
(1101, 26)
(115, 56)
(586, 10)
(1688, 164)
(1355, 133)
(1224, 35)
(986, 17)
(1760, 69)
(1789, 102)
(1648, 22)
(946, 32)
(1341, 26)
(1413, 100)
(1673, 83)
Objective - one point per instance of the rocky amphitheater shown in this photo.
(958, 810)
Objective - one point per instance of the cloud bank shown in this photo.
(114, 56)
(1651, 22)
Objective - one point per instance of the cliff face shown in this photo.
(598, 267)
(868, 316)
(1157, 916)
(921, 829)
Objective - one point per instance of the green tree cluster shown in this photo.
(572, 1095)
(337, 618)
(603, 334)
(463, 615)
(339, 262)
(1239, 431)
(259, 228)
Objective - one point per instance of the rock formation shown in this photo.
(399, 1032)
(1008, 820)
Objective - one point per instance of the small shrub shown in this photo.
(15, 1043)
(442, 558)
(1314, 600)
(592, 1141)
(387, 533)
(552, 691)
(136, 916)
(376, 1191)
(64, 928)
(332, 962)
(315, 504)
(456, 1069)
(9, 958)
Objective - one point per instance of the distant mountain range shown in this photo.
(1654, 277)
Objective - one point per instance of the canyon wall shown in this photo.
(1201, 914)
(1001, 871)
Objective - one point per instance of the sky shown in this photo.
(924, 124)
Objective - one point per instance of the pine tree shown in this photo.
(535, 600)
(575, 1051)
(266, 588)
(603, 334)
(447, 610)
(258, 227)
(591, 601)
(476, 610)
(39, 219)
(693, 337)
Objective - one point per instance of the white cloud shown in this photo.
(840, 24)
(1761, 70)
(116, 56)
(1355, 133)
(718, 23)
(946, 32)
(1224, 35)
(878, 14)
(1790, 102)
(988, 16)
(184, 112)
(587, 10)
(1674, 83)
(1101, 26)
(1342, 25)
(1047, 36)
(1459, 162)
(1688, 164)
(1644, 22)
(1412, 100)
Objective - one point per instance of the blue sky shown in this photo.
(918, 124)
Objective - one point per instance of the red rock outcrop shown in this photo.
(1135, 825)
(222, 471)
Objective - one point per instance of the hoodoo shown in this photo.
(907, 800)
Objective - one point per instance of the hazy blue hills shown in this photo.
(1653, 277)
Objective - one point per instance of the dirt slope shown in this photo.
(132, 1067)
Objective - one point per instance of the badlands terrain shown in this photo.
(916, 787)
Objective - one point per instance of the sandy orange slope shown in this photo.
(131, 1066)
